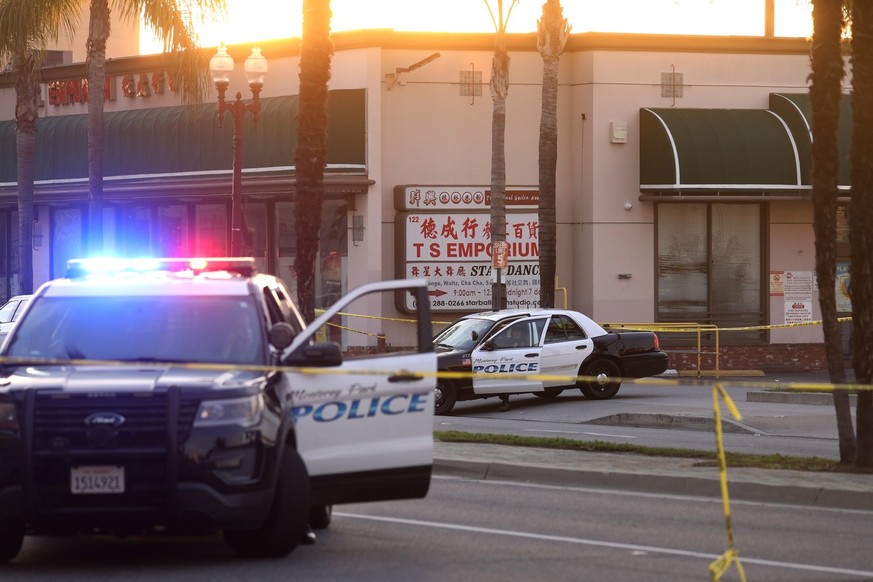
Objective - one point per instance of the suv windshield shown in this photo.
(210, 329)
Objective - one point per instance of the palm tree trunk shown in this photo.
(310, 157)
(548, 162)
(98, 33)
(26, 114)
(499, 90)
(860, 219)
(824, 95)
(552, 33)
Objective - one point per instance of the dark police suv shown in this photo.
(186, 396)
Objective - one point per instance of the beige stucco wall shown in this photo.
(123, 39)
(420, 130)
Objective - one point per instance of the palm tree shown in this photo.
(499, 89)
(824, 96)
(188, 65)
(860, 219)
(25, 29)
(310, 158)
(553, 30)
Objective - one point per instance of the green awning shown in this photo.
(794, 109)
(717, 150)
(187, 140)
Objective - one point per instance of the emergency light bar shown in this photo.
(77, 268)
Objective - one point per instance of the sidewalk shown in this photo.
(643, 473)
(666, 475)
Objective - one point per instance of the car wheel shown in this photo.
(287, 520)
(549, 393)
(320, 516)
(11, 539)
(445, 396)
(607, 383)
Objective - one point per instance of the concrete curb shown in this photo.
(816, 398)
(721, 373)
(674, 421)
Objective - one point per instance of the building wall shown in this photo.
(123, 40)
(421, 130)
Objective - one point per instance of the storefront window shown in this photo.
(67, 235)
(171, 234)
(709, 266)
(332, 249)
(286, 246)
(14, 254)
(4, 264)
(210, 230)
(254, 240)
(134, 233)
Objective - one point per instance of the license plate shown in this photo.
(97, 479)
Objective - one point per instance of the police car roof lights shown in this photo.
(79, 268)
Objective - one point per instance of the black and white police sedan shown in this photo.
(10, 312)
(539, 351)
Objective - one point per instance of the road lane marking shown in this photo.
(603, 544)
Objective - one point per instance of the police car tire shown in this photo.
(320, 516)
(445, 396)
(549, 393)
(11, 539)
(595, 390)
(287, 519)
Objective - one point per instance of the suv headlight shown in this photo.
(8, 417)
(244, 411)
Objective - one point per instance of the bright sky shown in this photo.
(253, 20)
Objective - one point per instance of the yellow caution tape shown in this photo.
(720, 565)
(563, 379)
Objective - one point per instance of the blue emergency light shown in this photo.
(79, 268)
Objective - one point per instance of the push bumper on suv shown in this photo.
(174, 478)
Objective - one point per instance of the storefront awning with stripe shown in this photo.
(795, 110)
(184, 146)
(733, 152)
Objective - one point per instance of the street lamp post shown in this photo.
(221, 66)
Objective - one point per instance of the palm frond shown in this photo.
(172, 22)
(29, 25)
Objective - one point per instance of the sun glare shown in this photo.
(254, 20)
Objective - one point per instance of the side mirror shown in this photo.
(489, 346)
(322, 355)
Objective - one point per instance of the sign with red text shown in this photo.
(452, 250)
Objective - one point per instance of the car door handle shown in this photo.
(533, 355)
(405, 378)
(582, 347)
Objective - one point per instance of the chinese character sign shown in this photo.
(452, 250)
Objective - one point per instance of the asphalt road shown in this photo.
(473, 528)
(486, 530)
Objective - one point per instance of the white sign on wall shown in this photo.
(798, 296)
(449, 198)
(452, 250)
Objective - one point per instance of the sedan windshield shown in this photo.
(208, 329)
(463, 334)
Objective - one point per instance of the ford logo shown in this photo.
(112, 419)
